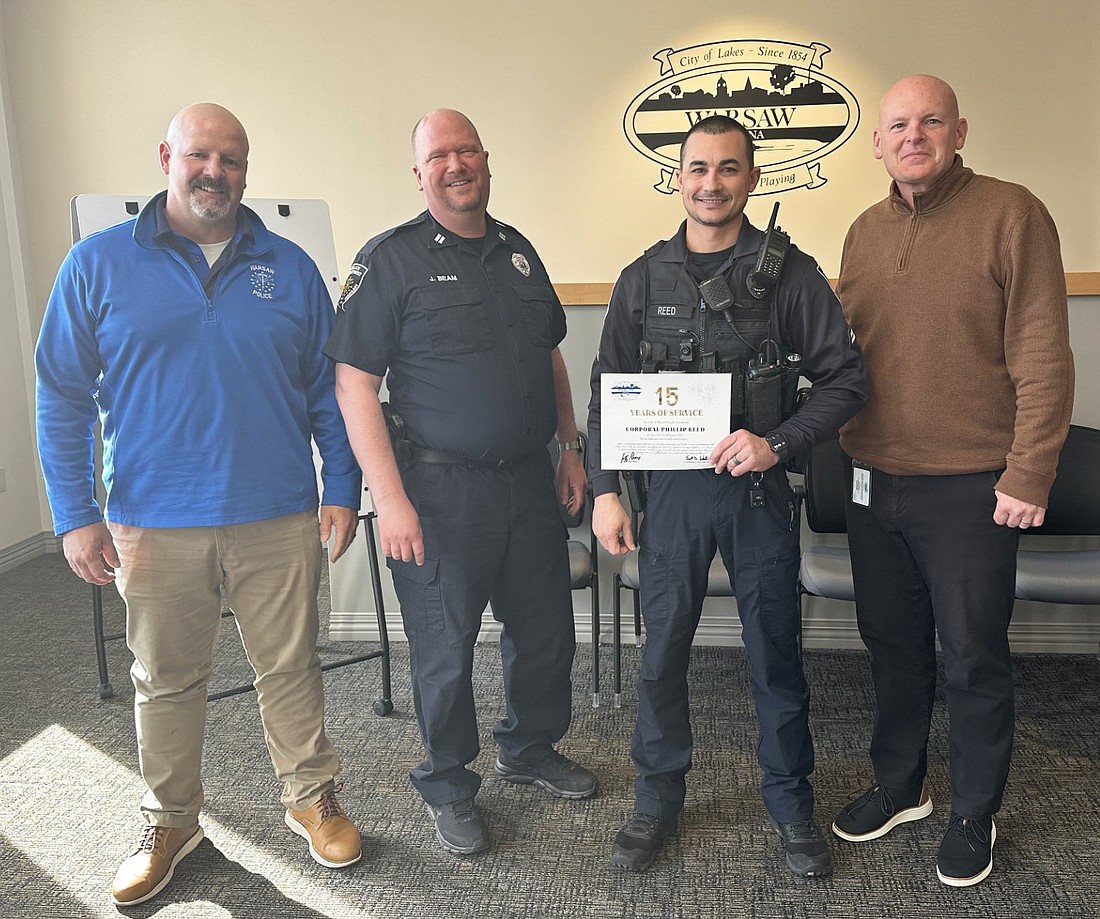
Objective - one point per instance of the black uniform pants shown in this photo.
(690, 515)
(490, 535)
(927, 557)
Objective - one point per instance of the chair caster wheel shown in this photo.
(106, 691)
(382, 707)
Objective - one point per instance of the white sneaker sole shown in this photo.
(186, 849)
(977, 878)
(903, 816)
(295, 827)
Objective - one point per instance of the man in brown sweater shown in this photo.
(955, 289)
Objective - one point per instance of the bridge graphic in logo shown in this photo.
(797, 115)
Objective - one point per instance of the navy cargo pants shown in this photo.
(689, 516)
(491, 535)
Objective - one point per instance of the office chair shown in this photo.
(382, 705)
(1058, 575)
(584, 570)
(825, 571)
(1063, 575)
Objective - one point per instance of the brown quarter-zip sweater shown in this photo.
(959, 305)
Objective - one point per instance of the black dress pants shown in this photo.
(927, 557)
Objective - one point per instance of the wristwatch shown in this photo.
(569, 445)
(778, 444)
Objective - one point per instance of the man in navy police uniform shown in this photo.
(456, 312)
(742, 506)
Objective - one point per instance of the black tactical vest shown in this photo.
(679, 333)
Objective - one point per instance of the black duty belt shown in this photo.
(439, 458)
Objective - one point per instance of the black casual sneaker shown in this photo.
(459, 827)
(876, 812)
(966, 853)
(807, 853)
(638, 842)
(558, 775)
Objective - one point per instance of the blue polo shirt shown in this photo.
(209, 383)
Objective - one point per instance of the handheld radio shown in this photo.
(769, 264)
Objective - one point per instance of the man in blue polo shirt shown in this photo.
(194, 335)
(455, 310)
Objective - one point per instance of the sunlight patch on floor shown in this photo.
(56, 769)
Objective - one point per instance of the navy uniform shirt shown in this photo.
(809, 319)
(463, 328)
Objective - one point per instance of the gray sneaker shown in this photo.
(805, 848)
(459, 827)
(638, 842)
(554, 773)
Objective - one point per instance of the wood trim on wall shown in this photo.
(1078, 283)
(1083, 283)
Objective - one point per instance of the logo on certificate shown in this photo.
(625, 392)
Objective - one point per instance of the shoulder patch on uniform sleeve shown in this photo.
(351, 285)
(520, 263)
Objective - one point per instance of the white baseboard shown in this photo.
(1037, 628)
(26, 549)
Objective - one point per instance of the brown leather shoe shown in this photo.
(333, 839)
(148, 869)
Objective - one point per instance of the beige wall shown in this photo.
(329, 91)
(22, 502)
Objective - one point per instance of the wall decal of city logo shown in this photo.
(796, 114)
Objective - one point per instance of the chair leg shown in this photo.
(595, 587)
(637, 617)
(384, 705)
(106, 691)
(616, 642)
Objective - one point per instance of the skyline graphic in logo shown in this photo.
(628, 391)
(796, 114)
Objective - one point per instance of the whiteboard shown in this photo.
(305, 221)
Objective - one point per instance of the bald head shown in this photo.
(934, 92)
(452, 169)
(205, 113)
(444, 118)
(205, 156)
(919, 130)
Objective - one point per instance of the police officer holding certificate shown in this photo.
(706, 301)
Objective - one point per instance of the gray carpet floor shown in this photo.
(70, 789)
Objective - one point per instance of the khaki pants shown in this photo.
(172, 582)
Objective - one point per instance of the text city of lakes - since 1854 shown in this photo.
(797, 55)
